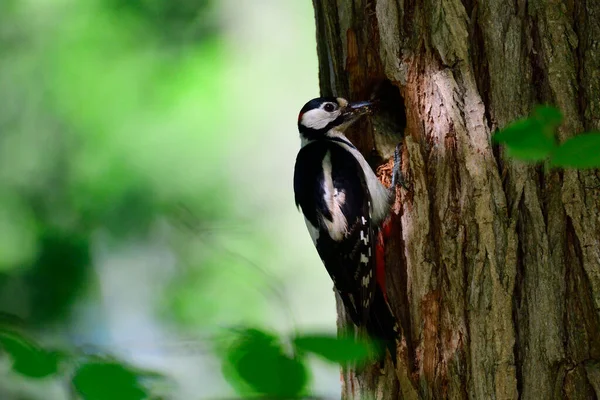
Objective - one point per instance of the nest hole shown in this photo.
(388, 121)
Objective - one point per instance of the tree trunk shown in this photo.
(494, 265)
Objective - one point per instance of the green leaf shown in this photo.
(108, 380)
(18, 232)
(64, 254)
(531, 139)
(28, 358)
(581, 151)
(258, 360)
(342, 350)
(550, 117)
(8, 321)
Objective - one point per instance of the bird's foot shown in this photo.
(397, 176)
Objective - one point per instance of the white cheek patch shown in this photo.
(318, 118)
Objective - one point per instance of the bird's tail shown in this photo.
(383, 327)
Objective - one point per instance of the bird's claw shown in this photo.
(397, 176)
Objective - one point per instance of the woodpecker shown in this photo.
(344, 206)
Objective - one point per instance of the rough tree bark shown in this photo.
(494, 266)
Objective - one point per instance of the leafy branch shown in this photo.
(534, 139)
(89, 377)
(255, 362)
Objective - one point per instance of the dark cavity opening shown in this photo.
(390, 107)
(388, 121)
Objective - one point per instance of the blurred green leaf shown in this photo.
(108, 380)
(176, 20)
(18, 229)
(125, 206)
(581, 151)
(8, 320)
(550, 117)
(531, 139)
(28, 358)
(342, 350)
(59, 273)
(259, 361)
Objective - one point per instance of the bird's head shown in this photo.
(321, 115)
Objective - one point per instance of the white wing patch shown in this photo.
(334, 199)
(366, 280)
(364, 259)
(379, 194)
(364, 237)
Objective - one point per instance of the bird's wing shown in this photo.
(331, 190)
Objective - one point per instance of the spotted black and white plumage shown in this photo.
(343, 204)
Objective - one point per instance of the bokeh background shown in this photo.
(146, 161)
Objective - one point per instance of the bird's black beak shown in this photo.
(359, 108)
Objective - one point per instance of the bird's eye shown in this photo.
(329, 107)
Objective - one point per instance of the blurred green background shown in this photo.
(146, 160)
